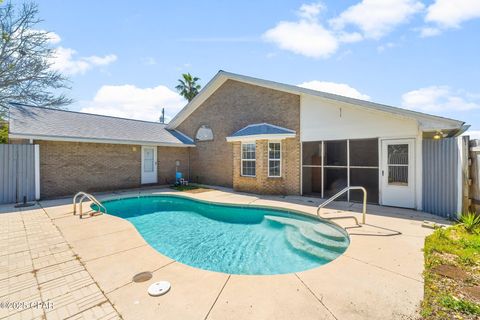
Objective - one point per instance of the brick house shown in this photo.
(246, 133)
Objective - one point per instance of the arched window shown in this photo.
(204, 133)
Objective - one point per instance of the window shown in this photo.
(274, 159)
(248, 159)
(204, 133)
(398, 164)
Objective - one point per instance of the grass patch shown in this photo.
(446, 297)
(185, 188)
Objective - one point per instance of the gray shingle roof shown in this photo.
(46, 122)
(261, 128)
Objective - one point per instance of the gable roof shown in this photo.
(427, 121)
(29, 122)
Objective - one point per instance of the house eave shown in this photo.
(95, 140)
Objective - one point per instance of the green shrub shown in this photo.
(471, 222)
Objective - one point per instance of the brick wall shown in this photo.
(233, 106)
(287, 183)
(167, 157)
(69, 167)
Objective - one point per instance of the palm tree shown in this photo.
(188, 86)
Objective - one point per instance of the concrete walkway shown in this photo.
(84, 268)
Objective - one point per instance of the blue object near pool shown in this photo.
(232, 239)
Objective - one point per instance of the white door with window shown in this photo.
(149, 164)
(398, 173)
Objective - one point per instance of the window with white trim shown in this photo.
(248, 159)
(274, 159)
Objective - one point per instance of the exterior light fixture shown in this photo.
(438, 135)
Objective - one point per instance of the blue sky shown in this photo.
(124, 57)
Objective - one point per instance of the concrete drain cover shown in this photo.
(142, 276)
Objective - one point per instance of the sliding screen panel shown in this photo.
(367, 178)
(364, 153)
(336, 153)
(312, 181)
(312, 153)
(335, 180)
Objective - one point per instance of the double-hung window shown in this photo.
(274, 159)
(248, 159)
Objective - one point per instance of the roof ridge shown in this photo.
(15, 104)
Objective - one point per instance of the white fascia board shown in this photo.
(261, 137)
(94, 140)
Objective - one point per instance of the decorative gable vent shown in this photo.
(204, 133)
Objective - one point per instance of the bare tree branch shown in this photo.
(26, 59)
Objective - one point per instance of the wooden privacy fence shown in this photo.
(19, 173)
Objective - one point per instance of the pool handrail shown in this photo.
(341, 192)
(89, 197)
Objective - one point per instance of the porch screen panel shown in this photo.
(345, 163)
(335, 180)
(364, 162)
(312, 181)
(367, 178)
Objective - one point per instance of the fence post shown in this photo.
(466, 202)
(475, 175)
(37, 172)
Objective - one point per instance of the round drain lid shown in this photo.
(142, 276)
(159, 288)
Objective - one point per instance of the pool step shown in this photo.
(322, 229)
(309, 234)
(298, 242)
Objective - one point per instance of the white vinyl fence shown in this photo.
(19, 173)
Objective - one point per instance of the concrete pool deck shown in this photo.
(84, 267)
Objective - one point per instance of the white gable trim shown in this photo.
(427, 121)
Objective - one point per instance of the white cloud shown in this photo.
(388, 45)
(336, 88)
(440, 99)
(64, 60)
(451, 13)
(53, 38)
(130, 101)
(376, 18)
(429, 32)
(310, 11)
(308, 38)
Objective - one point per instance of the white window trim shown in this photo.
(242, 160)
(268, 150)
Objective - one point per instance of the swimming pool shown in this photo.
(231, 239)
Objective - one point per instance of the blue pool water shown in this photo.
(231, 239)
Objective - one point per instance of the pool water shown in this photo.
(231, 239)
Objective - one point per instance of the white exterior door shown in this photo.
(149, 164)
(397, 173)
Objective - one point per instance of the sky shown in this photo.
(124, 58)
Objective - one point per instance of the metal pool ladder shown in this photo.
(88, 196)
(338, 194)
